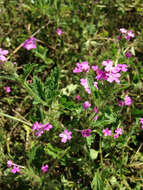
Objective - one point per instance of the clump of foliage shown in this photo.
(71, 94)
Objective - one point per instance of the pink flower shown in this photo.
(141, 121)
(86, 132)
(123, 30)
(29, 43)
(44, 168)
(15, 169)
(84, 83)
(95, 109)
(95, 118)
(113, 77)
(86, 105)
(59, 31)
(65, 136)
(81, 67)
(9, 163)
(95, 84)
(128, 54)
(78, 98)
(119, 37)
(8, 89)
(120, 103)
(128, 100)
(116, 136)
(94, 67)
(131, 34)
(40, 128)
(106, 132)
(118, 131)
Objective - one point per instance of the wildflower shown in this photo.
(95, 118)
(116, 136)
(119, 37)
(128, 54)
(80, 67)
(59, 31)
(106, 132)
(128, 100)
(84, 83)
(95, 84)
(86, 105)
(29, 43)
(131, 34)
(65, 136)
(118, 131)
(86, 132)
(94, 68)
(141, 121)
(15, 169)
(14, 63)
(113, 77)
(40, 128)
(44, 168)
(78, 98)
(122, 67)
(95, 109)
(9, 163)
(8, 89)
(123, 30)
(120, 103)
(2, 55)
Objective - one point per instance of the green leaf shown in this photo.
(93, 154)
(97, 183)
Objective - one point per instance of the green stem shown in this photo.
(100, 150)
(16, 119)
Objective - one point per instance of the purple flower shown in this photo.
(106, 132)
(95, 118)
(86, 132)
(8, 89)
(131, 34)
(29, 43)
(128, 54)
(94, 67)
(95, 84)
(80, 67)
(95, 109)
(44, 168)
(128, 100)
(119, 37)
(113, 77)
(78, 98)
(141, 121)
(84, 83)
(15, 169)
(65, 136)
(40, 128)
(116, 136)
(59, 31)
(2, 55)
(123, 30)
(118, 131)
(9, 163)
(120, 103)
(86, 105)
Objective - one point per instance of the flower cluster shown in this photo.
(40, 128)
(65, 136)
(29, 43)
(15, 168)
(127, 34)
(118, 132)
(107, 132)
(86, 132)
(80, 67)
(127, 101)
(2, 55)
(141, 122)
(112, 73)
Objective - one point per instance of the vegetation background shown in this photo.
(89, 33)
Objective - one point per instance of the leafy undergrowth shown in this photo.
(71, 95)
